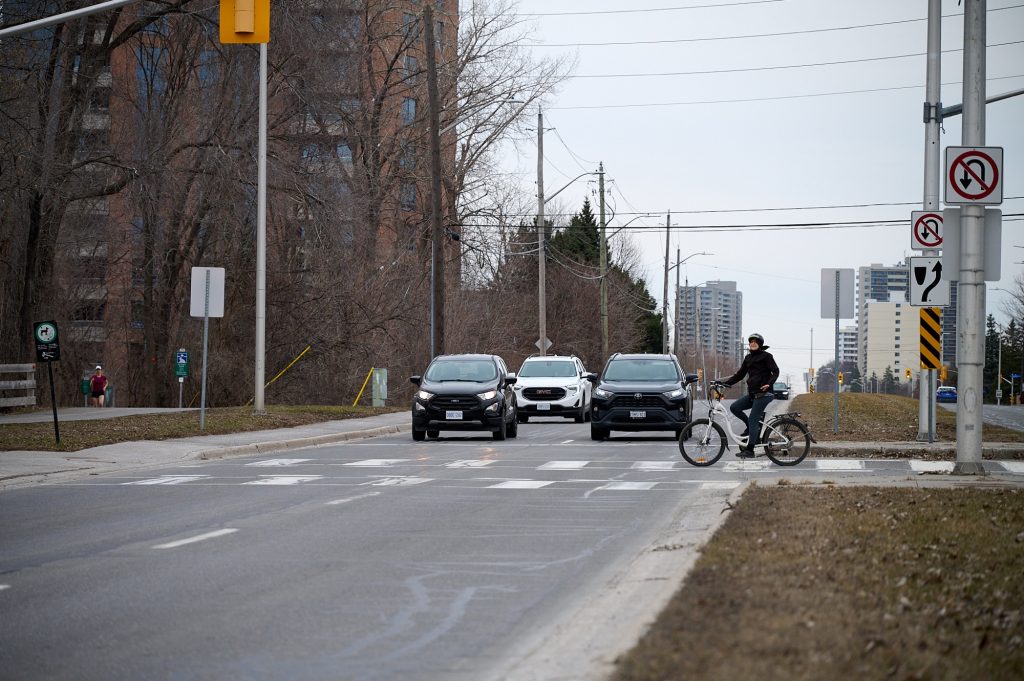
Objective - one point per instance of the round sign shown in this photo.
(46, 332)
(928, 230)
(973, 175)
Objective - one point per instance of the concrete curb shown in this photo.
(295, 443)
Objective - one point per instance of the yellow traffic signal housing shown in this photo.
(943, 373)
(908, 373)
(700, 374)
(840, 378)
(245, 21)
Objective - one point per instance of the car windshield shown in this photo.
(780, 386)
(471, 370)
(641, 370)
(548, 369)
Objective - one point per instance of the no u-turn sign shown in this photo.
(974, 176)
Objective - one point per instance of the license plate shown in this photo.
(638, 414)
(453, 415)
(543, 407)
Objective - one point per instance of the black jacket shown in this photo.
(760, 369)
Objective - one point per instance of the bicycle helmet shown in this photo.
(758, 338)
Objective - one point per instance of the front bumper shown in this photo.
(607, 415)
(437, 414)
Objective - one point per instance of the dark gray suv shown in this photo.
(464, 392)
(640, 393)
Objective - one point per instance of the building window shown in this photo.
(408, 110)
(344, 152)
(407, 197)
(411, 26)
(407, 161)
(412, 69)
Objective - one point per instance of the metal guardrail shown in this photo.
(26, 385)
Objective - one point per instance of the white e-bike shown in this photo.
(784, 438)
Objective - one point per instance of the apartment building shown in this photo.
(709, 318)
(848, 345)
(892, 339)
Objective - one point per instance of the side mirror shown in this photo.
(692, 378)
(415, 380)
(592, 377)
(510, 379)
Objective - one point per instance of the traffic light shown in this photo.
(700, 375)
(245, 21)
(840, 378)
(908, 373)
(943, 373)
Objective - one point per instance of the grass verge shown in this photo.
(76, 435)
(875, 583)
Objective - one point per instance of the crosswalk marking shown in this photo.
(397, 481)
(470, 463)
(377, 463)
(278, 462)
(562, 465)
(628, 486)
(719, 485)
(521, 484)
(747, 466)
(653, 465)
(167, 480)
(1013, 466)
(919, 466)
(839, 465)
(282, 479)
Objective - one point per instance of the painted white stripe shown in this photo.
(562, 465)
(4, 586)
(167, 480)
(338, 502)
(282, 479)
(653, 465)
(747, 466)
(278, 462)
(397, 481)
(628, 486)
(919, 466)
(470, 463)
(521, 484)
(719, 485)
(378, 463)
(839, 465)
(1013, 466)
(565, 442)
(192, 540)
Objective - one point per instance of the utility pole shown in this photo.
(675, 336)
(932, 122)
(542, 317)
(971, 298)
(664, 296)
(436, 229)
(258, 405)
(604, 266)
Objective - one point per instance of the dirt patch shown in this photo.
(840, 583)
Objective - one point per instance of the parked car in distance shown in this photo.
(945, 393)
(781, 391)
(640, 393)
(553, 385)
(464, 392)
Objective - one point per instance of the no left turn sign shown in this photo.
(974, 176)
(926, 230)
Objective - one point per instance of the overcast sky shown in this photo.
(711, 147)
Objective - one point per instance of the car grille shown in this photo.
(455, 402)
(631, 401)
(542, 394)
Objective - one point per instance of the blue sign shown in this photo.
(1014, 375)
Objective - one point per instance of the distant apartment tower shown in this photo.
(893, 340)
(709, 317)
(889, 283)
(848, 345)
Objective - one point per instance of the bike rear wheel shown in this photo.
(702, 442)
(786, 442)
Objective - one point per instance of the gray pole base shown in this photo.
(969, 468)
(923, 437)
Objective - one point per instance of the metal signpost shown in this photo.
(207, 301)
(181, 370)
(836, 302)
(48, 351)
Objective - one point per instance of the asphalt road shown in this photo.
(376, 559)
(1008, 416)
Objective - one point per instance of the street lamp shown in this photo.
(664, 319)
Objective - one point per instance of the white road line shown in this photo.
(338, 502)
(278, 462)
(1013, 466)
(470, 463)
(719, 485)
(377, 463)
(397, 481)
(747, 466)
(565, 442)
(167, 480)
(562, 465)
(282, 479)
(839, 465)
(654, 465)
(627, 486)
(521, 484)
(919, 466)
(199, 537)
(4, 586)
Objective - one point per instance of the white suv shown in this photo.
(553, 385)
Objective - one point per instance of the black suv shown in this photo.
(464, 392)
(640, 392)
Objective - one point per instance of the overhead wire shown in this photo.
(645, 10)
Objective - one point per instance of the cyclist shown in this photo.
(761, 371)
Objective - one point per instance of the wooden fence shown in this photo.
(26, 386)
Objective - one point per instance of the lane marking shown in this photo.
(1013, 466)
(521, 484)
(567, 442)
(193, 540)
(338, 502)
(919, 466)
(562, 465)
(470, 463)
(654, 465)
(167, 480)
(278, 462)
(627, 486)
(839, 465)
(747, 466)
(377, 463)
(719, 485)
(4, 586)
(283, 479)
(397, 481)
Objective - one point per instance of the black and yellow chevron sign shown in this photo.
(931, 337)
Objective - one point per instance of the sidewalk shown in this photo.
(21, 468)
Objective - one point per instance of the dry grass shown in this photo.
(77, 435)
(849, 583)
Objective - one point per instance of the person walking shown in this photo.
(761, 371)
(98, 387)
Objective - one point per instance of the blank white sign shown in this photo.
(198, 302)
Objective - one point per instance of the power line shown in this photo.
(777, 34)
(638, 11)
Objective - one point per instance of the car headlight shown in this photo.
(517, 388)
(489, 395)
(674, 393)
(601, 392)
(572, 389)
(424, 395)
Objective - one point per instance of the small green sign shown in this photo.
(181, 364)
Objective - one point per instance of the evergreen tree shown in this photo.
(990, 378)
(889, 381)
(581, 240)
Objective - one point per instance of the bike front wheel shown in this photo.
(786, 442)
(702, 442)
